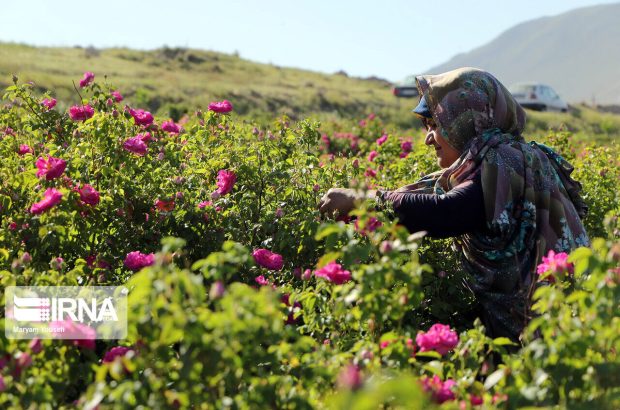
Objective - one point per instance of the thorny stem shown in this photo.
(77, 91)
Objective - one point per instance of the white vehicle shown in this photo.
(536, 96)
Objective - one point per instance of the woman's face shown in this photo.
(446, 155)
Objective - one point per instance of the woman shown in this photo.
(507, 202)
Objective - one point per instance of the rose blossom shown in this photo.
(51, 197)
(141, 117)
(117, 96)
(262, 281)
(35, 345)
(113, 353)
(24, 149)
(49, 103)
(225, 181)
(268, 259)
(137, 260)
(50, 168)
(81, 335)
(221, 107)
(171, 127)
(333, 272)
(438, 338)
(372, 155)
(217, 290)
(406, 146)
(350, 377)
(556, 264)
(164, 206)
(89, 195)
(441, 391)
(87, 79)
(382, 139)
(81, 112)
(370, 173)
(136, 145)
(371, 225)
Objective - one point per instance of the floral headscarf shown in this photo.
(532, 205)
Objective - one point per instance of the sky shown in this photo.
(390, 39)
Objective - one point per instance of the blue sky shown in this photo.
(389, 39)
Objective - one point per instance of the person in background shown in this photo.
(506, 202)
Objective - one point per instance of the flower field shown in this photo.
(241, 295)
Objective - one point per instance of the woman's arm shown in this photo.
(459, 211)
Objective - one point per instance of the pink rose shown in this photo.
(136, 145)
(164, 206)
(441, 391)
(24, 149)
(217, 290)
(23, 360)
(221, 107)
(81, 112)
(406, 146)
(333, 272)
(51, 197)
(81, 335)
(225, 181)
(50, 168)
(113, 353)
(49, 103)
(372, 155)
(350, 377)
(262, 281)
(556, 265)
(117, 96)
(438, 338)
(87, 79)
(137, 260)
(382, 139)
(89, 195)
(141, 117)
(171, 127)
(370, 225)
(268, 259)
(35, 345)
(370, 173)
(146, 137)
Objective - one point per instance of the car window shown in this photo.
(521, 88)
(552, 94)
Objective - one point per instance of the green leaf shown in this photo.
(327, 258)
(503, 341)
(431, 354)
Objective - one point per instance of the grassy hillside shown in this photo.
(180, 79)
(171, 82)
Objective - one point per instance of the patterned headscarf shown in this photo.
(532, 205)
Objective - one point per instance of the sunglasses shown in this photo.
(429, 123)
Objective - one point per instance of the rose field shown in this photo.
(242, 295)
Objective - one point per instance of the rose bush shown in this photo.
(242, 295)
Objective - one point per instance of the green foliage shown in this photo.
(204, 334)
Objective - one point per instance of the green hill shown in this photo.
(173, 81)
(577, 53)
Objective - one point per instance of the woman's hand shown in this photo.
(342, 200)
